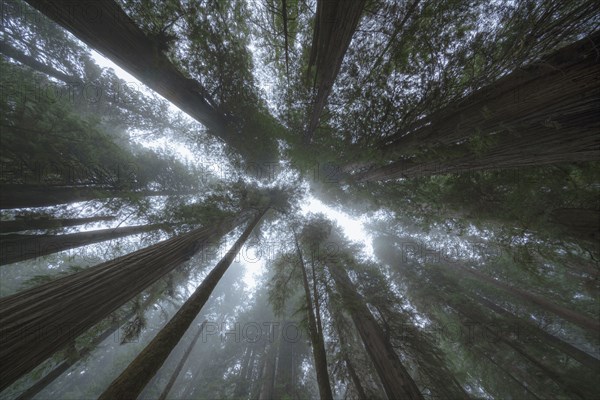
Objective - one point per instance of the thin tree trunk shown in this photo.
(15, 247)
(37, 322)
(398, 384)
(181, 363)
(27, 196)
(355, 379)
(241, 385)
(316, 337)
(268, 376)
(581, 356)
(31, 224)
(31, 62)
(583, 321)
(130, 382)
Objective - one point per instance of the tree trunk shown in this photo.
(316, 337)
(130, 382)
(26, 196)
(335, 23)
(181, 363)
(544, 113)
(284, 377)
(37, 322)
(34, 64)
(580, 223)
(116, 36)
(268, 377)
(15, 247)
(31, 224)
(396, 381)
(241, 387)
(590, 324)
(355, 379)
(581, 356)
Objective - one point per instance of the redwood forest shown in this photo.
(300, 199)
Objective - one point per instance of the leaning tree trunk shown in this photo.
(316, 336)
(181, 363)
(15, 247)
(132, 381)
(31, 62)
(36, 323)
(32, 224)
(397, 383)
(589, 324)
(27, 196)
(545, 113)
(114, 34)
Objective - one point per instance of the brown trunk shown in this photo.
(396, 381)
(37, 322)
(114, 34)
(27, 196)
(31, 224)
(559, 344)
(15, 247)
(316, 337)
(544, 113)
(335, 23)
(584, 322)
(130, 382)
(181, 363)
(355, 379)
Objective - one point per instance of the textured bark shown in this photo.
(590, 324)
(37, 322)
(181, 362)
(316, 337)
(355, 379)
(581, 356)
(15, 247)
(132, 381)
(396, 381)
(544, 113)
(335, 23)
(31, 224)
(26, 196)
(104, 26)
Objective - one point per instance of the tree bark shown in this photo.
(130, 382)
(335, 23)
(37, 322)
(26, 196)
(316, 337)
(583, 321)
(580, 223)
(104, 26)
(31, 224)
(544, 113)
(15, 247)
(181, 363)
(397, 383)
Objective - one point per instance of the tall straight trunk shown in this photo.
(544, 113)
(581, 356)
(268, 377)
(15, 247)
(396, 381)
(26, 196)
(130, 383)
(37, 322)
(360, 391)
(114, 34)
(284, 376)
(316, 337)
(31, 62)
(241, 385)
(31, 224)
(335, 23)
(65, 365)
(590, 324)
(181, 363)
